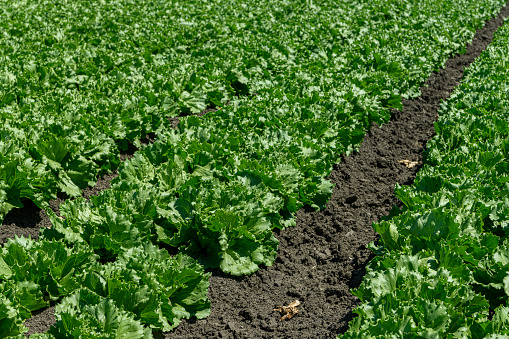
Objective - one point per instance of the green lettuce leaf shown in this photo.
(159, 289)
(84, 314)
(11, 323)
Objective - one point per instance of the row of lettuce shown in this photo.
(143, 288)
(442, 267)
(215, 187)
(81, 80)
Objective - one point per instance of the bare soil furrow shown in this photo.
(325, 255)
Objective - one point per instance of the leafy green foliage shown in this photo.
(84, 314)
(38, 272)
(159, 289)
(79, 81)
(444, 259)
(11, 322)
(411, 297)
(144, 283)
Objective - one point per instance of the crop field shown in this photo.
(254, 169)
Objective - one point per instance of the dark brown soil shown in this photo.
(324, 256)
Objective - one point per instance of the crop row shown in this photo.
(442, 269)
(215, 187)
(81, 80)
